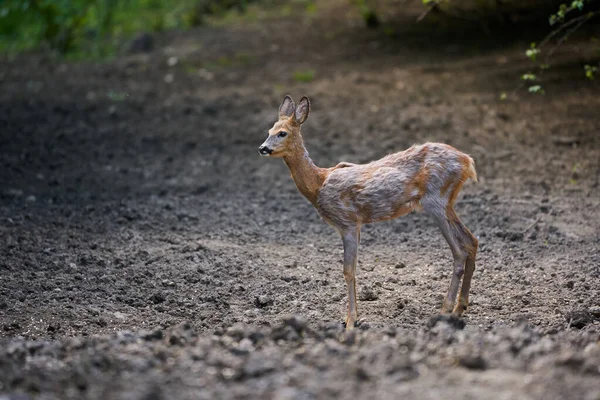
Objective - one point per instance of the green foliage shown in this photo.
(95, 28)
(54, 22)
(311, 8)
(304, 76)
(566, 23)
(590, 71)
(565, 9)
(529, 77)
(535, 89)
(532, 52)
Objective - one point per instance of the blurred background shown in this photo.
(133, 198)
(102, 28)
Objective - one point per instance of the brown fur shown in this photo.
(427, 177)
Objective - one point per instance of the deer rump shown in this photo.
(424, 177)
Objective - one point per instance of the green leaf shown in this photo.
(528, 77)
(535, 89)
(590, 71)
(532, 53)
(577, 4)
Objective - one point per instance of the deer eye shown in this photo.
(282, 134)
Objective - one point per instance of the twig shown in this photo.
(560, 29)
(568, 33)
(532, 225)
(578, 22)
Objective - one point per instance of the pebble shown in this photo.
(263, 301)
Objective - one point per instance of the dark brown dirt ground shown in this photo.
(148, 252)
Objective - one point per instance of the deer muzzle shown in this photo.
(264, 150)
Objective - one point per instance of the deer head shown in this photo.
(284, 137)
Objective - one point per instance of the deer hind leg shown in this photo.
(464, 249)
(459, 255)
(351, 238)
(470, 243)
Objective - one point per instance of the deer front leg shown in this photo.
(351, 239)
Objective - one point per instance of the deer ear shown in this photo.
(287, 108)
(302, 110)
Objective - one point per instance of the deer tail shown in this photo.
(471, 173)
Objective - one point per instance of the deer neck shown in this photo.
(306, 175)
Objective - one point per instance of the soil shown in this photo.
(148, 252)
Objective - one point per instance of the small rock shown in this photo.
(169, 78)
(514, 236)
(579, 318)
(156, 334)
(172, 61)
(230, 373)
(176, 340)
(157, 298)
(368, 294)
(256, 336)
(566, 140)
(473, 362)
(363, 326)
(236, 331)
(362, 374)
(570, 360)
(119, 315)
(296, 322)
(569, 284)
(263, 301)
(449, 319)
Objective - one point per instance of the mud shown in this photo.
(148, 252)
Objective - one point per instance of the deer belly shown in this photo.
(364, 209)
(384, 209)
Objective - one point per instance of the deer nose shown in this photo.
(264, 150)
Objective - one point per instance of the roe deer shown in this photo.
(425, 177)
